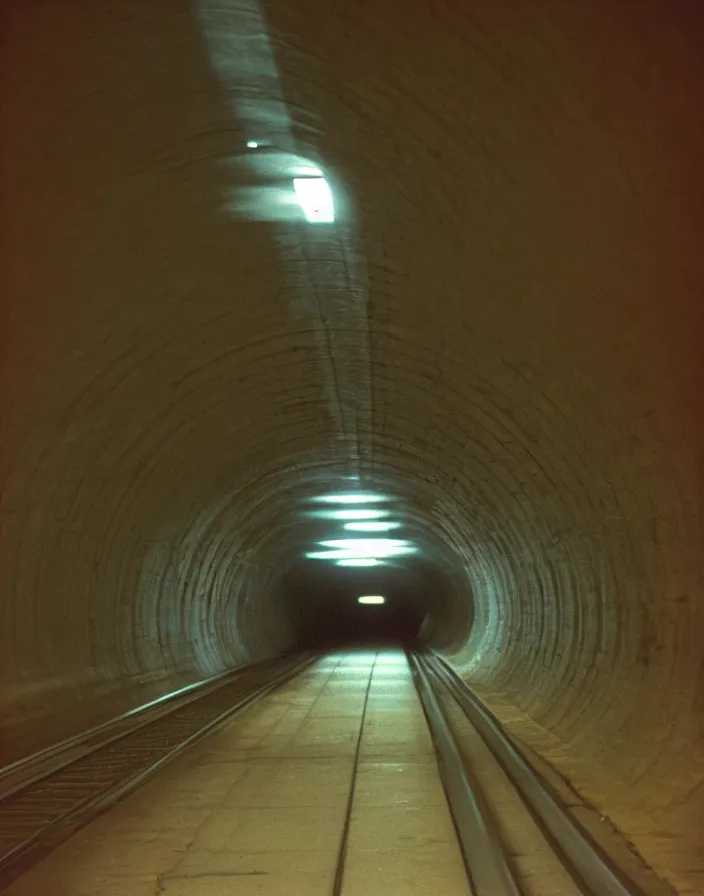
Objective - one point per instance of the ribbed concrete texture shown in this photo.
(501, 330)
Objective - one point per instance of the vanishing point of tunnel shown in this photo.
(308, 301)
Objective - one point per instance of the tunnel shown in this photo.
(488, 322)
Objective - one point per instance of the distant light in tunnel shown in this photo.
(371, 527)
(371, 599)
(315, 199)
(351, 498)
(371, 547)
(359, 561)
(354, 555)
(353, 549)
(252, 144)
(351, 514)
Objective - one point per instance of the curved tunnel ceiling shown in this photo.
(501, 329)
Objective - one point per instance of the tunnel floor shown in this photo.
(264, 802)
(328, 785)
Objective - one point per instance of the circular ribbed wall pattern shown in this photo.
(501, 330)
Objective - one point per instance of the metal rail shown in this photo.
(52, 758)
(484, 856)
(42, 813)
(580, 854)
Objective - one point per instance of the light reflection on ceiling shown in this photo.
(276, 175)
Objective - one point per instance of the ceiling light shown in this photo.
(252, 144)
(359, 561)
(303, 168)
(371, 599)
(352, 498)
(377, 526)
(339, 555)
(315, 199)
(361, 552)
(368, 545)
(350, 514)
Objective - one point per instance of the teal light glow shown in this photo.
(371, 526)
(359, 561)
(361, 549)
(351, 498)
(374, 547)
(371, 514)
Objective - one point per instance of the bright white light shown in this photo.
(371, 546)
(350, 514)
(252, 144)
(359, 561)
(371, 527)
(306, 171)
(352, 498)
(315, 198)
(340, 555)
(352, 549)
(371, 599)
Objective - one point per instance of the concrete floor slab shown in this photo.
(385, 873)
(258, 812)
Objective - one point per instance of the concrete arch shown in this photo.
(503, 329)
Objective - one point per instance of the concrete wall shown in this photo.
(505, 328)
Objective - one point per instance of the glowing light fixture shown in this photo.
(359, 561)
(351, 514)
(371, 526)
(351, 498)
(344, 555)
(315, 199)
(373, 547)
(370, 599)
(361, 549)
(252, 144)
(307, 170)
